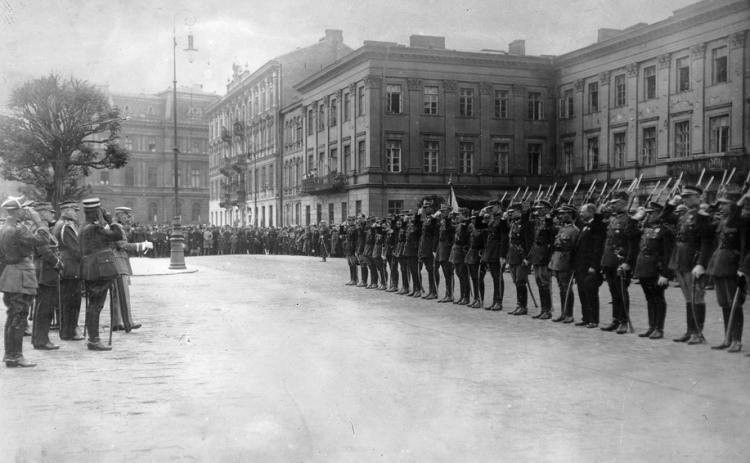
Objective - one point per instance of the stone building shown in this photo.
(245, 133)
(146, 183)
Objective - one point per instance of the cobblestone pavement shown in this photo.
(285, 364)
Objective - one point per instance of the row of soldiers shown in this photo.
(47, 265)
(683, 240)
(261, 240)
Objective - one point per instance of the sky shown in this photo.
(128, 43)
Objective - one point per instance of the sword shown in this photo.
(567, 297)
(731, 315)
(695, 314)
(531, 293)
(112, 312)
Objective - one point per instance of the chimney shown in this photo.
(427, 41)
(517, 47)
(334, 35)
(606, 34)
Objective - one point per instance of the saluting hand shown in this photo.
(662, 281)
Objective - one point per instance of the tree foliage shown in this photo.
(57, 132)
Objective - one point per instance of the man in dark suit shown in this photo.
(428, 245)
(586, 262)
(18, 280)
(521, 234)
(48, 266)
(444, 245)
(539, 256)
(66, 233)
(493, 254)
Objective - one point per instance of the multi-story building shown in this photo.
(657, 100)
(389, 124)
(146, 183)
(245, 133)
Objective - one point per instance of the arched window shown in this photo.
(196, 216)
(150, 110)
(152, 212)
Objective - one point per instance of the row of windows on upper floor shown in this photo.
(649, 84)
(195, 180)
(718, 142)
(258, 102)
(152, 145)
(259, 179)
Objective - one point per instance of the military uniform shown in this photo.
(48, 266)
(377, 254)
(361, 237)
(493, 252)
(349, 231)
(442, 256)
(399, 253)
(66, 233)
(411, 253)
(391, 243)
(520, 236)
(477, 268)
(655, 249)
(560, 263)
(458, 259)
(586, 264)
(427, 247)
(324, 241)
(539, 257)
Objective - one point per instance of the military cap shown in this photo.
(445, 207)
(350, 217)
(619, 196)
(407, 213)
(123, 209)
(542, 203)
(474, 213)
(91, 204)
(371, 218)
(12, 203)
(566, 209)
(493, 202)
(681, 209)
(391, 216)
(653, 206)
(68, 205)
(692, 190)
(464, 211)
(29, 203)
(729, 198)
(427, 202)
(41, 206)
(515, 207)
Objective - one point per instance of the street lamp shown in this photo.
(177, 254)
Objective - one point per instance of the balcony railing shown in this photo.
(332, 182)
(226, 168)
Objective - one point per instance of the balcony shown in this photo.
(240, 196)
(239, 163)
(226, 168)
(330, 183)
(715, 162)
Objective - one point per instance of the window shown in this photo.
(307, 215)
(271, 177)
(620, 90)
(333, 162)
(431, 100)
(344, 211)
(535, 158)
(129, 176)
(152, 212)
(431, 151)
(195, 146)
(649, 82)
(196, 213)
(719, 134)
(501, 104)
(361, 101)
(332, 113)
(568, 154)
(152, 146)
(466, 102)
(535, 106)
(501, 151)
(649, 146)
(152, 176)
(128, 144)
(719, 64)
(298, 129)
(195, 178)
(592, 153)
(395, 206)
(347, 107)
(104, 177)
(620, 149)
(321, 117)
(310, 121)
(465, 157)
(358, 207)
(361, 151)
(393, 155)
(566, 104)
(593, 97)
(318, 214)
(683, 74)
(393, 94)
(347, 159)
(682, 139)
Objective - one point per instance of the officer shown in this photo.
(66, 233)
(411, 253)
(458, 254)
(652, 266)
(493, 255)
(723, 267)
(560, 263)
(377, 253)
(18, 279)
(539, 256)
(477, 268)
(98, 267)
(48, 267)
(369, 245)
(360, 249)
(446, 234)
(690, 257)
(349, 231)
(428, 245)
(324, 241)
(620, 253)
(520, 240)
(391, 251)
(401, 224)
(586, 262)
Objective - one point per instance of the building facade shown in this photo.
(146, 183)
(245, 134)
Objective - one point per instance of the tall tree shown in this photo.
(57, 132)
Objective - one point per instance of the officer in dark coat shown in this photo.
(48, 267)
(391, 243)
(723, 267)
(18, 279)
(377, 253)
(620, 253)
(477, 268)
(539, 256)
(493, 254)
(349, 231)
(66, 233)
(561, 261)
(690, 257)
(652, 267)
(428, 245)
(369, 245)
(586, 263)
(411, 253)
(445, 243)
(458, 254)
(521, 235)
(360, 249)
(324, 241)
(98, 267)
(400, 223)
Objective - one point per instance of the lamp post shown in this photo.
(177, 253)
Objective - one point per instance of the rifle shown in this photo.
(523, 197)
(559, 196)
(708, 185)
(589, 193)
(676, 186)
(503, 198)
(651, 195)
(635, 184)
(601, 194)
(661, 192)
(539, 192)
(575, 190)
(515, 195)
(723, 186)
(700, 179)
(550, 191)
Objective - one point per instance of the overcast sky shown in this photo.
(128, 43)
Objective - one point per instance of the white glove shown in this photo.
(145, 245)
